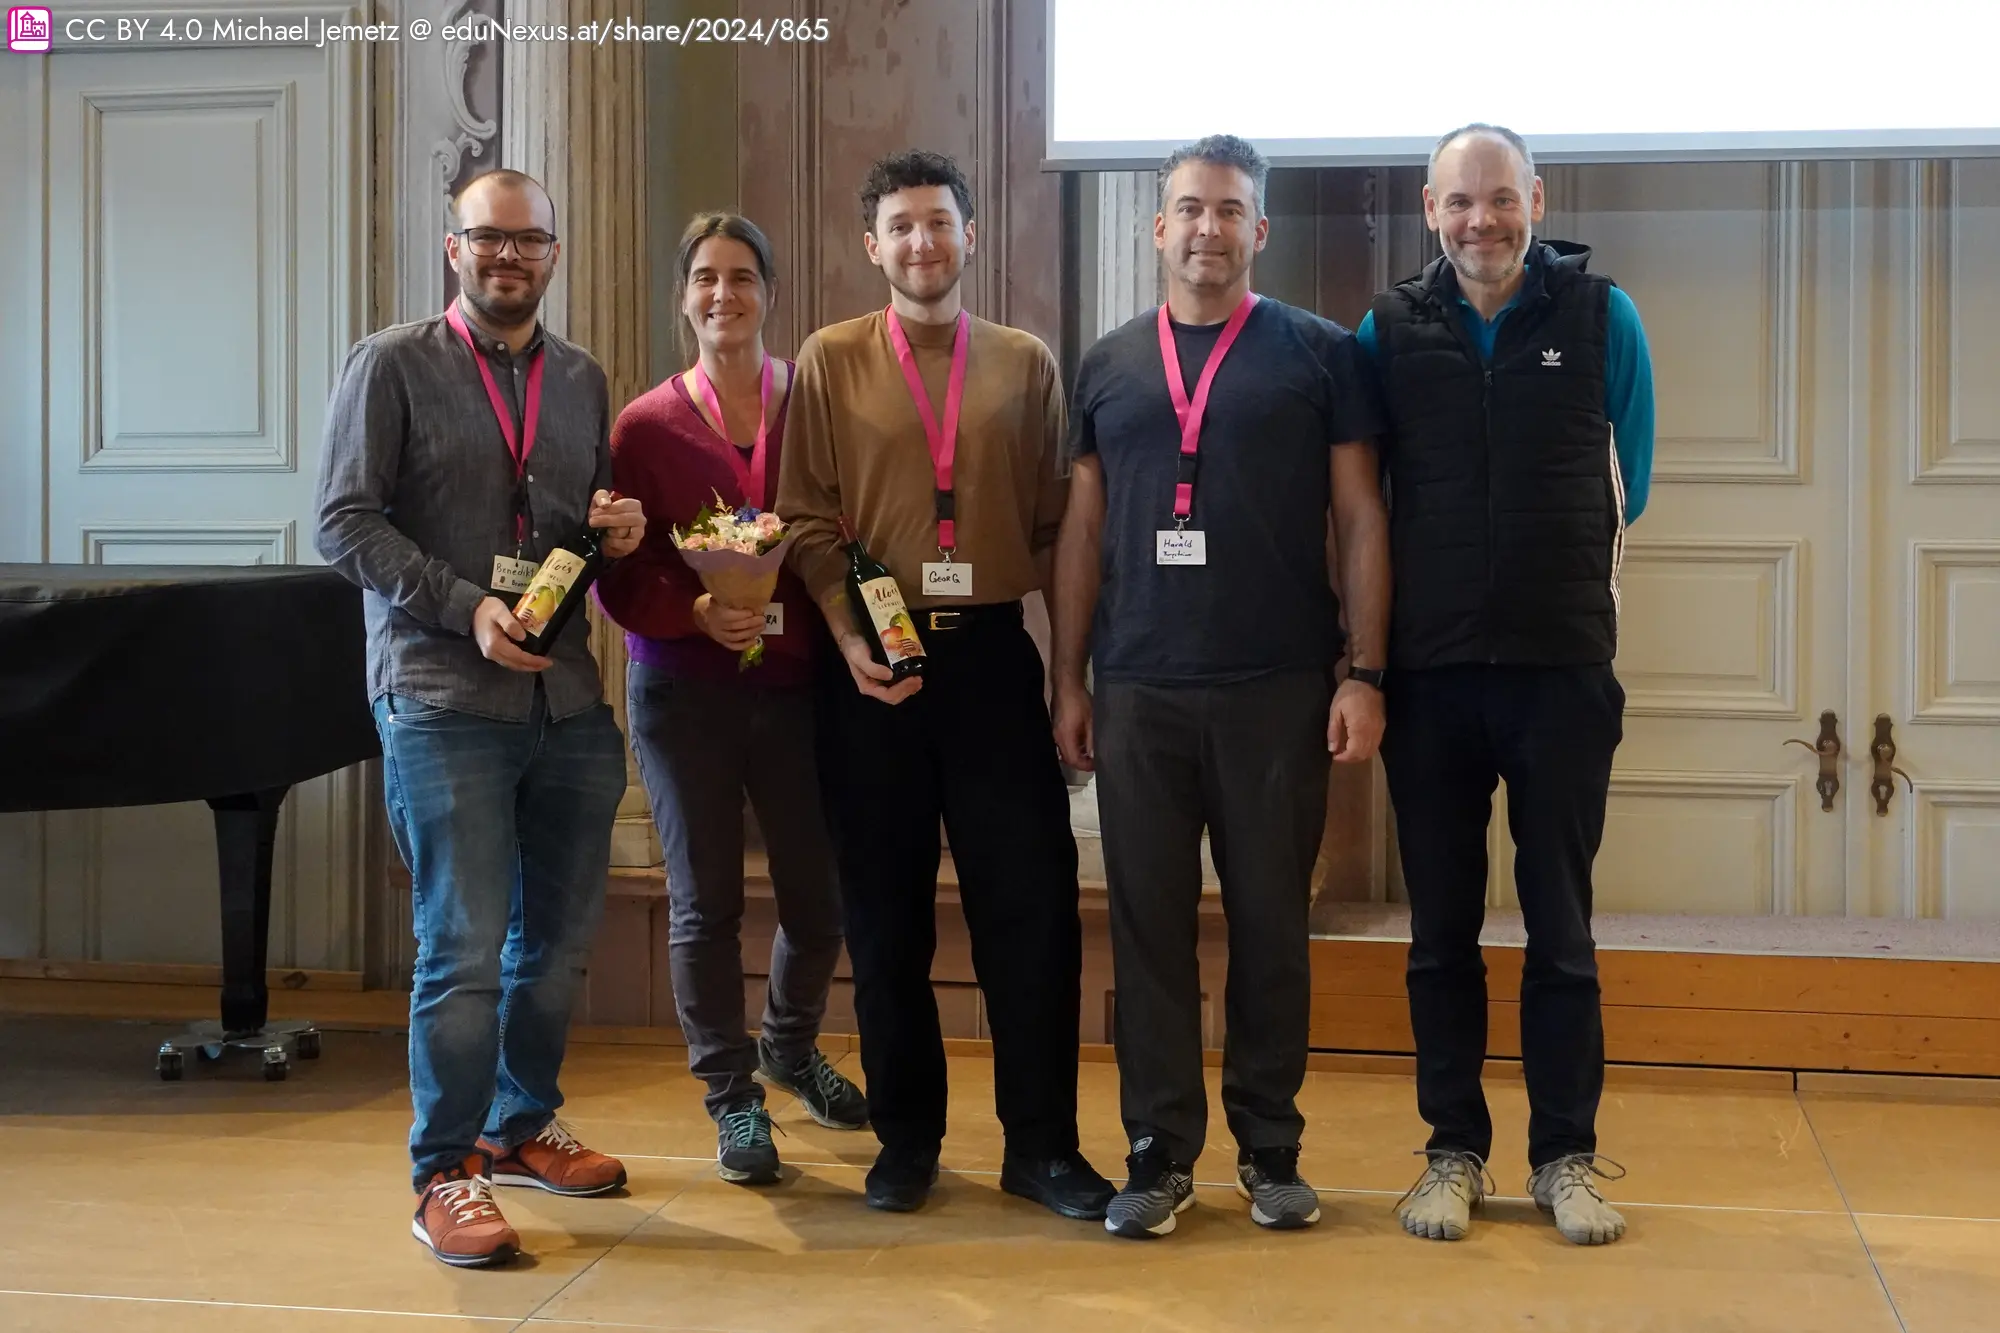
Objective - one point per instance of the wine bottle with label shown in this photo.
(557, 591)
(879, 610)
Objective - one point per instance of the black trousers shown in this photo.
(974, 748)
(1549, 732)
(1249, 761)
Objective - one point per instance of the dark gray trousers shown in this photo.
(1248, 761)
(701, 745)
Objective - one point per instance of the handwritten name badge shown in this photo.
(774, 617)
(1177, 547)
(511, 575)
(942, 579)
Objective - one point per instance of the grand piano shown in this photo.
(124, 685)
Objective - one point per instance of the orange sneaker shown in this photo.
(458, 1220)
(554, 1161)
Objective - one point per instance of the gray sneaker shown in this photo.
(1439, 1206)
(744, 1153)
(1156, 1191)
(1564, 1188)
(827, 1094)
(1279, 1199)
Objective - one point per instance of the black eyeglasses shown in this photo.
(488, 242)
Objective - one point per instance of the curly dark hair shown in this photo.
(908, 170)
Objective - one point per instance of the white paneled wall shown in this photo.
(203, 214)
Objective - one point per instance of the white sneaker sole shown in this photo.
(735, 1177)
(1164, 1228)
(537, 1183)
(505, 1254)
(1264, 1219)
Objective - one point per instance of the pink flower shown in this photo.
(769, 524)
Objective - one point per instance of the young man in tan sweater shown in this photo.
(939, 438)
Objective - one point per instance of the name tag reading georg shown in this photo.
(511, 575)
(1180, 547)
(942, 579)
(774, 617)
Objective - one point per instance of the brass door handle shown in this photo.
(1828, 750)
(1884, 752)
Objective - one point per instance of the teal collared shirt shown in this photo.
(1628, 379)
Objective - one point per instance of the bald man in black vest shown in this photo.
(1519, 393)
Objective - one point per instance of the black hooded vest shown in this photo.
(1506, 506)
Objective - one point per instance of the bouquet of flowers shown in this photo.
(738, 553)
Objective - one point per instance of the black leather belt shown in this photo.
(993, 615)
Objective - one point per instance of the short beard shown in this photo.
(935, 297)
(504, 313)
(1462, 263)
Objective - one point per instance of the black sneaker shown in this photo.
(901, 1179)
(1279, 1198)
(826, 1094)
(1068, 1185)
(744, 1153)
(1157, 1189)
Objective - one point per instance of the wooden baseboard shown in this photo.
(1741, 1020)
(157, 1002)
(169, 974)
(1863, 1015)
(1902, 1086)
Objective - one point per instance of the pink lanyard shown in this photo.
(750, 476)
(523, 446)
(1190, 414)
(943, 440)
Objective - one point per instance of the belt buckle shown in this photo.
(941, 620)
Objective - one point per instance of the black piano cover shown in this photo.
(125, 685)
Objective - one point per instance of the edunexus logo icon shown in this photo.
(29, 29)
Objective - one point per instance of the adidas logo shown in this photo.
(1551, 357)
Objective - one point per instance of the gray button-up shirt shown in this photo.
(417, 496)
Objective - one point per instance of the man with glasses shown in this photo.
(459, 450)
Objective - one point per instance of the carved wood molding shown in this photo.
(574, 118)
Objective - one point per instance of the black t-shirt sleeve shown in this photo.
(1356, 412)
(1082, 405)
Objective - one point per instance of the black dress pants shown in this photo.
(1550, 732)
(974, 748)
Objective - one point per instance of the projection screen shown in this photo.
(1375, 82)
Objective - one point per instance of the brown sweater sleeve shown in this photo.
(809, 489)
(1052, 490)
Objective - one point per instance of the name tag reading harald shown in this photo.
(945, 579)
(1180, 546)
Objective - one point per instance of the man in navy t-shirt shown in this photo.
(1211, 439)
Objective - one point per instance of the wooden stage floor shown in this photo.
(226, 1204)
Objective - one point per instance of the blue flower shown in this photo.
(747, 514)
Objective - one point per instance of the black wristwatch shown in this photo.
(1366, 675)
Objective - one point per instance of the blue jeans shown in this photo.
(506, 830)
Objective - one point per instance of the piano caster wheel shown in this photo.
(309, 1046)
(275, 1065)
(170, 1066)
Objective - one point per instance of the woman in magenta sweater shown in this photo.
(707, 733)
